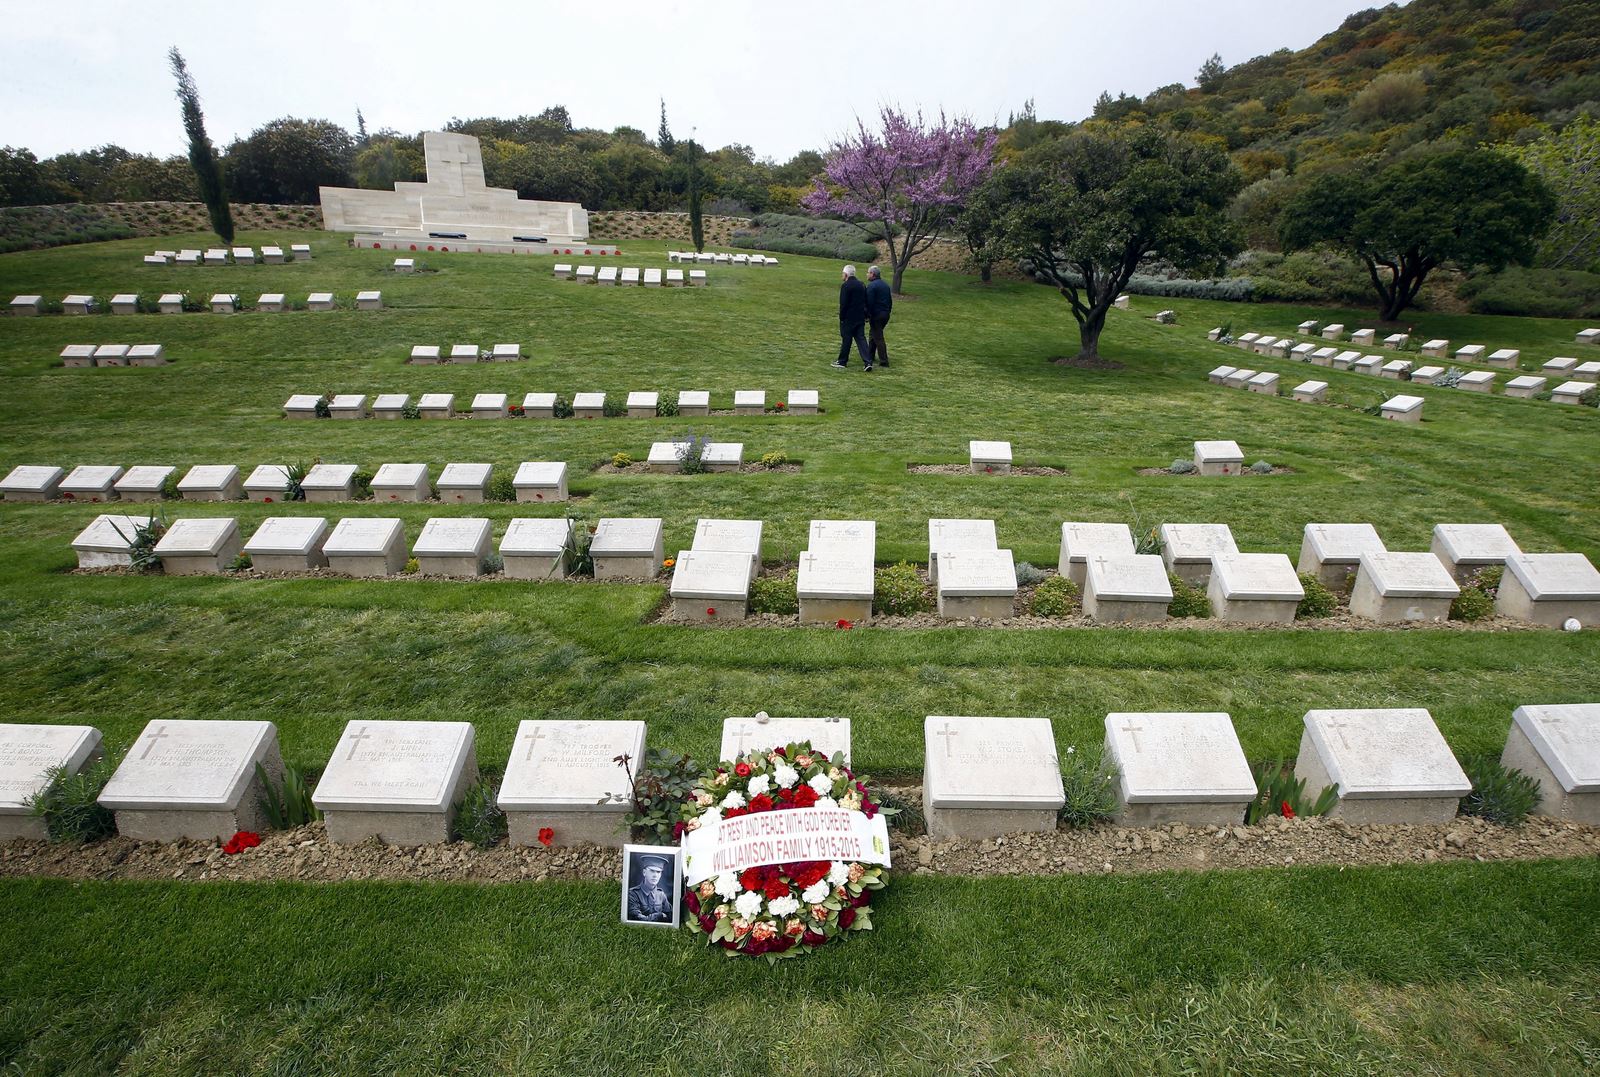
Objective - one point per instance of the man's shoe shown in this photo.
(840, 364)
(884, 363)
(866, 370)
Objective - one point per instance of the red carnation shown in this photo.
(811, 938)
(786, 796)
(808, 874)
(775, 889)
(805, 796)
(1288, 812)
(734, 813)
(846, 918)
(546, 836)
(754, 878)
(267, 500)
(761, 803)
(742, 769)
(677, 829)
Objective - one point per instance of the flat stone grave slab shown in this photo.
(675, 278)
(652, 278)
(452, 546)
(1368, 364)
(1081, 541)
(28, 753)
(585, 274)
(147, 355)
(1465, 548)
(541, 480)
(1559, 746)
(1332, 552)
(710, 585)
(1550, 589)
(1127, 587)
(125, 303)
(144, 482)
(465, 484)
(1265, 382)
(1396, 340)
(210, 482)
(1178, 767)
(984, 777)
(505, 353)
(1394, 587)
(1424, 375)
(288, 544)
(91, 482)
(1570, 392)
(267, 482)
(537, 548)
(1504, 357)
(607, 275)
(588, 405)
(1588, 336)
(1560, 367)
(1187, 549)
(27, 306)
(730, 536)
(642, 404)
(1240, 375)
(29, 482)
(330, 482)
(1264, 345)
(1403, 409)
(320, 301)
(1218, 457)
(1333, 332)
(667, 456)
(111, 355)
(272, 255)
(1589, 372)
(977, 584)
(1310, 392)
(539, 405)
(301, 406)
(844, 536)
(829, 737)
(1436, 349)
(463, 353)
(627, 548)
(1391, 766)
(348, 406)
(1246, 341)
(272, 302)
(1525, 386)
(722, 455)
(563, 270)
(957, 535)
(366, 546)
(108, 541)
(490, 406)
(1254, 588)
(424, 354)
(835, 584)
(300, 251)
(77, 355)
(199, 545)
(78, 304)
(396, 781)
(1345, 360)
(194, 778)
(1308, 328)
(697, 278)
(1323, 356)
(1470, 353)
(224, 303)
(630, 275)
(244, 255)
(436, 405)
(989, 457)
(404, 265)
(370, 300)
(1363, 337)
(750, 402)
(563, 776)
(390, 405)
(694, 402)
(1219, 375)
(1395, 369)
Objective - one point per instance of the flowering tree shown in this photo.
(911, 179)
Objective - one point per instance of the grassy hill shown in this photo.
(1465, 967)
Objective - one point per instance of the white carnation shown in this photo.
(783, 906)
(821, 784)
(759, 784)
(728, 886)
(827, 802)
(710, 815)
(785, 775)
(816, 893)
(747, 904)
(838, 873)
(734, 799)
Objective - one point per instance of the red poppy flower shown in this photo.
(842, 623)
(266, 500)
(430, 246)
(414, 247)
(374, 246)
(68, 497)
(711, 611)
(546, 836)
(586, 250)
(1288, 812)
(742, 769)
(539, 497)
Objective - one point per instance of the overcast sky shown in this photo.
(777, 77)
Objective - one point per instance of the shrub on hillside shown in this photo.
(1534, 293)
(1304, 277)
(785, 233)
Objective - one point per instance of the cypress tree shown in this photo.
(664, 140)
(207, 169)
(697, 230)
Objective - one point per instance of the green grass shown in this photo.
(1471, 968)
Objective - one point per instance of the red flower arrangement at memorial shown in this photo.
(244, 839)
(780, 910)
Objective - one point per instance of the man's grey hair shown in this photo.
(849, 271)
(872, 271)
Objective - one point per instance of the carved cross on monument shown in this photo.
(1338, 726)
(949, 736)
(1101, 561)
(160, 734)
(533, 742)
(1134, 731)
(355, 742)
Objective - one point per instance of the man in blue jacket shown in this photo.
(880, 301)
(852, 320)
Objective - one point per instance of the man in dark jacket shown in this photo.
(852, 320)
(880, 301)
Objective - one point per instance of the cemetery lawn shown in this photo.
(1462, 968)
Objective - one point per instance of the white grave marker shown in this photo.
(985, 777)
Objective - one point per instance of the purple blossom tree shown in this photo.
(912, 179)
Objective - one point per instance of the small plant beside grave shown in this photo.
(1261, 467)
(70, 807)
(324, 408)
(621, 460)
(1055, 597)
(1319, 601)
(502, 488)
(1187, 601)
(1028, 574)
(142, 542)
(363, 482)
(1500, 794)
(1182, 467)
(241, 563)
(491, 565)
(1281, 793)
(478, 818)
(774, 459)
(410, 410)
(1476, 600)
(562, 409)
(575, 551)
(293, 476)
(287, 803)
(413, 566)
(666, 406)
(663, 783)
(898, 591)
(613, 409)
(1089, 780)
(775, 594)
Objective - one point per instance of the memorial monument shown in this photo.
(455, 208)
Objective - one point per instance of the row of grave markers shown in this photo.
(590, 405)
(221, 256)
(721, 258)
(172, 303)
(651, 278)
(1402, 407)
(401, 782)
(1436, 349)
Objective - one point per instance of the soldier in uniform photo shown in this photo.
(649, 901)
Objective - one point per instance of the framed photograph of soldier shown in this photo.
(652, 885)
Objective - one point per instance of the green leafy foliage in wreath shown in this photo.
(898, 591)
(1090, 781)
(287, 803)
(1500, 794)
(1281, 793)
(70, 805)
(1055, 597)
(479, 818)
(775, 594)
(660, 786)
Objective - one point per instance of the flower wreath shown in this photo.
(781, 910)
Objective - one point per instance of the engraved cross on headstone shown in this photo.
(1338, 726)
(160, 734)
(949, 736)
(1101, 561)
(355, 742)
(1134, 731)
(533, 742)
